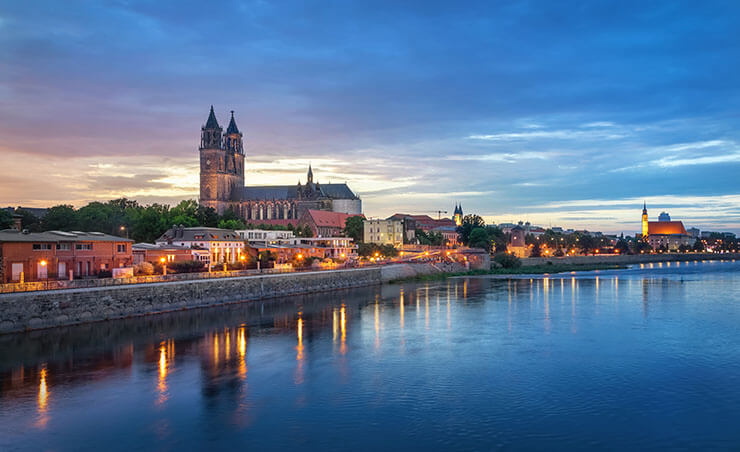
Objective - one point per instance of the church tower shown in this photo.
(645, 229)
(221, 164)
(458, 215)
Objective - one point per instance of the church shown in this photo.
(664, 233)
(222, 183)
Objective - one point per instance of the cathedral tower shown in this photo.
(645, 230)
(221, 164)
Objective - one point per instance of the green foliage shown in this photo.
(6, 219)
(429, 238)
(303, 231)
(29, 221)
(60, 218)
(479, 239)
(698, 245)
(469, 222)
(231, 224)
(507, 260)
(535, 252)
(186, 266)
(369, 250)
(353, 227)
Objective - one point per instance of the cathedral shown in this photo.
(222, 183)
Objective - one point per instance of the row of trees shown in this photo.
(127, 218)
(474, 232)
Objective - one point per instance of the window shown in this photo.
(83, 246)
(63, 246)
(121, 248)
(42, 246)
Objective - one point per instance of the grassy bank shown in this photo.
(529, 270)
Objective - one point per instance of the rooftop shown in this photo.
(12, 235)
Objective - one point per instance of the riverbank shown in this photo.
(26, 311)
(627, 259)
(523, 270)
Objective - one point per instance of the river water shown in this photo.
(642, 358)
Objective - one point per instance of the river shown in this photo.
(645, 358)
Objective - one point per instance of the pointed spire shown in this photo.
(644, 207)
(232, 125)
(212, 123)
(310, 174)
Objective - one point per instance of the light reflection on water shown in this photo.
(642, 358)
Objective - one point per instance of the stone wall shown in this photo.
(33, 310)
(44, 309)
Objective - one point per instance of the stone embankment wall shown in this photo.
(626, 259)
(34, 310)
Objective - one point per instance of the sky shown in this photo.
(559, 113)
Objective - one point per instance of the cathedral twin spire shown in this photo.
(211, 134)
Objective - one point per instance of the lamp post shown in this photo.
(164, 265)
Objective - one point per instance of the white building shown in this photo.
(224, 245)
(261, 235)
(383, 232)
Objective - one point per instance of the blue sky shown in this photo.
(561, 113)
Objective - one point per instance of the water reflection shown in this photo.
(339, 353)
(43, 399)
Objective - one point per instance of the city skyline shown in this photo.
(566, 115)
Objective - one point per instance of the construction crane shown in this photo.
(439, 214)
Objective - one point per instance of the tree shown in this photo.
(479, 239)
(185, 213)
(497, 236)
(231, 224)
(622, 246)
(60, 218)
(28, 220)
(698, 246)
(469, 223)
(429, 238)
(641, 246)
(6, 219)
(353, 227)
(206, 217)
(507, 260)
(535, 252)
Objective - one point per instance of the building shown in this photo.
(324, 223)
(40, 256)
(383, 232)
(262, 235)
(287, 250)
(458, 215)
(449, 233)
(222, 166)
(423, 222)
(223, 245)
(517, 243)
(693, 232)
(152, 253)
(664, 233)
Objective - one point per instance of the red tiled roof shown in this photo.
(326, 219)
(666, 227)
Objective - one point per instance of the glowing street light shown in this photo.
(164, 265)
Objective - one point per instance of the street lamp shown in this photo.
(164, 265)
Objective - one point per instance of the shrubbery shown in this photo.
(186, 266)
(507, 260)
(143, 269)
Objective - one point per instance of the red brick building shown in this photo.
(39, 256)
(324, 223)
